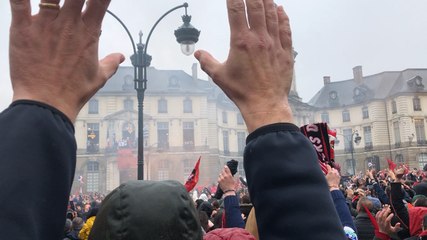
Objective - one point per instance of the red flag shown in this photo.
(391, 165)
(194, 177)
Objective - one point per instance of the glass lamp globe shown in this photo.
(188, 48)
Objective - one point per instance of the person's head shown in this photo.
(364, 202)
(77, 224)
(229, 234)
(207, 208)
(204, 220)
(67, 226)
(420, 201)
(143, 209)
(92, 212)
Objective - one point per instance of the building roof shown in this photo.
(373, 87)
(159, 81)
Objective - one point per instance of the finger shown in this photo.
(48, 13)
(72, 9)
(256, 15)
(109, 65)
(271, 18)
(388, 219)
(284, 29)
(21, 12)
(208, 63)
(95, 12)
(236, 17)
(227, 170)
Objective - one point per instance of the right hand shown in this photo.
(257, 74)
(333, 178)
(226, 181)
(54, 54)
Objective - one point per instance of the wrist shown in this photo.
(256, 119)
(229, 192)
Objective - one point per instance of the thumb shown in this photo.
(329, 168)
(108, 65)
(207, 62)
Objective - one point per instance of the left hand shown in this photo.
(383, 218)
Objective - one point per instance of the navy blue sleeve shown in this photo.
(287, 187)
(37, 159)
(342, 209)
(233, 215)
(381, 194)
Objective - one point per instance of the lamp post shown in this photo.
(186, 35)
(354, 138)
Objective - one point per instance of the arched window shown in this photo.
(398, 159)
(92, 177)
(128, 136)
(373, 162)
(422, 160)
(163, 172)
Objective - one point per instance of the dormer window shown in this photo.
(173, 82)
(333, 99)
(416, 83)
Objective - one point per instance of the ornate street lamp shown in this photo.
(186, 35)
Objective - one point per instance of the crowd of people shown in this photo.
(55, 69)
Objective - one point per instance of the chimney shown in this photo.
(194, 71)
(326, 80)
(358, 75)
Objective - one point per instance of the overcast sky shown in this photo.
(331, 36)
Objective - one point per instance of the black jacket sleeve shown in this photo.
(37, 162)
(287, 187)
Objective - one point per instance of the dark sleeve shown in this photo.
(342, 209)
(37, 159)
(380, 193)
(233, 216)
(399, 209)
(287, 187)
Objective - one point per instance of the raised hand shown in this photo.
(54, 54)
(257, 74)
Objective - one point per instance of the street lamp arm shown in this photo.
(151, 32)
(127, 31)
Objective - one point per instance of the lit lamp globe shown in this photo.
(187, 36)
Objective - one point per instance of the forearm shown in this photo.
(233, 216)
(284, 179)
(381, 194)
(38, 155)
(342, 209)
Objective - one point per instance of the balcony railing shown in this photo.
(369, 147)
